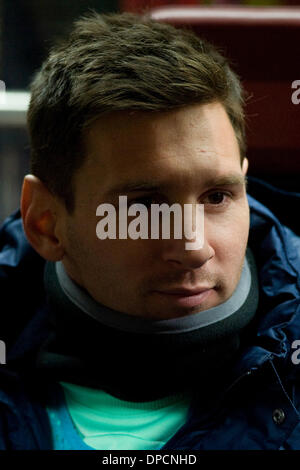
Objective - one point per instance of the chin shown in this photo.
(179, 306)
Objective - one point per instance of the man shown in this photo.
(139, 343)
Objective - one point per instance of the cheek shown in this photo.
(229, 239)
(120, 257)
(114, 255)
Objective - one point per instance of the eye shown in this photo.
(146, 200)
(217, 198)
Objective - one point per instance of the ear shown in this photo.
(245, 165)
(40, 215)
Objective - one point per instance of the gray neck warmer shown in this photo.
(134, 324)
(135, 358)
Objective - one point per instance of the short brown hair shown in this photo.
(119, 62)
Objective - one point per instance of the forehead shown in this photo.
(193, 142)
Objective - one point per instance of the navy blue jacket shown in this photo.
(260, 409)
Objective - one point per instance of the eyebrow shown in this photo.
(150, 186)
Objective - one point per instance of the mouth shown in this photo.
(186, 297)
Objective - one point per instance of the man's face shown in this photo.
(187, 156)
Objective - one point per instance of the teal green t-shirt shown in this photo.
(105, 422)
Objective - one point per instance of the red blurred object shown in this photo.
(139, 6)
(262, 45)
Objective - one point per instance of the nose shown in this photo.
(175, 252)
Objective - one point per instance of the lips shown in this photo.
(185, 292)
(186, 297)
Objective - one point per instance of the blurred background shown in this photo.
(28, 28)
